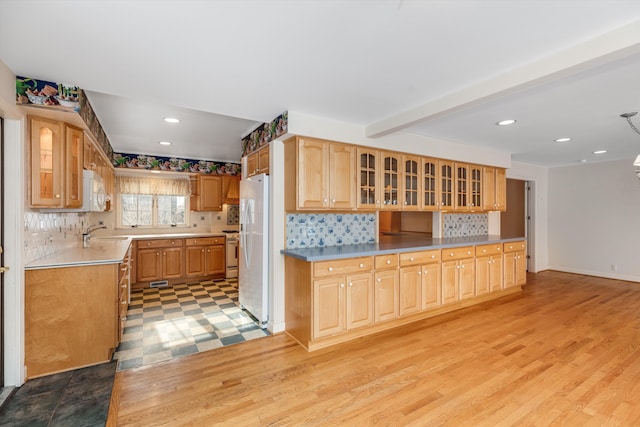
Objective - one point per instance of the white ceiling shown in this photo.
(446, 69)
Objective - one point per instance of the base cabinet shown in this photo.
(515, 264)
(327, 302)
(205, 256)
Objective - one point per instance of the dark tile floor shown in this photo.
(77, 398)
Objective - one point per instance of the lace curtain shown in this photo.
(145, 185)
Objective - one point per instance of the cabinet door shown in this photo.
(149, 265)
(411, 182)
(430, 187)
(501, 189)
(359, 301)
(74, 148)
(195, 257)
(483, 275)
(263, 160)
(342, 176)
(368, 186)
(390, 180)
(446, 185)
(215, 259)
(313, 167)
(410, 290)
(171, 263)
(252, 164)
(467, 278)
(475, 188)
(386, 295)
(509, 268)
(489, 190)
(449, 281)
(495, 275)
(461, 189)
(431, 286)
(328, 306)
(46, 163)
(210, 193)
(520, 268)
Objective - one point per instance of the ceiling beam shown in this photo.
(606, 48)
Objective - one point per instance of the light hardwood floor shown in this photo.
(565, 352)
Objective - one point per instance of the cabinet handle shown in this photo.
(342, 285)
(484, 250)
(333, 200)
(411, 259)
(419, 273)
(324, 200)
(433, 256)
(157, 253)
(462, 266)
(173, 243)
(350, 284)
(379, 280)
(451, 254)
(148, 243)
(361, 265)
(330, 268)
(468, 252)
(377, 202)
(208, 250)
(202, 250)
(458, 267)
(164, 253)
(388, 262)
(426, 271)
(57, 196)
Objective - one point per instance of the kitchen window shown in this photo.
(152, 202)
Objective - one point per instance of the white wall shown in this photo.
(594, 219)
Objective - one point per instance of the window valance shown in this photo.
(154, 186)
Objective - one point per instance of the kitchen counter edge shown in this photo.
(391, 246)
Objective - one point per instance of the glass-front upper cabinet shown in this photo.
(411, 182)
(368, 185)
(446, 185)
(46, 162)
(475, 187)
(74, 146)
(461, 186)
(390, 180)
(430, 190)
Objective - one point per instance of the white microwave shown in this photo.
(94, 198)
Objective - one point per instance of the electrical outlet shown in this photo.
(100, 222)
(202, 218)
(195, 225)
(219, 217)
(614, 267)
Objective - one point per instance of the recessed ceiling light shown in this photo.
(171, 120)
(563, 139)
(506, 122)
(164, 143)
(600, 152)
(583, 161)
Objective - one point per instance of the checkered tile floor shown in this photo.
(165, 323)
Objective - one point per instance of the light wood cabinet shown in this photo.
(468, 187)
(159, 259)
(411, 182)
(488, 268)
(205, 256)
(515, 264)
(342, 303)
(446, 185)
(56, 164)
(71, 317)
(124, 285)
(390, 184)
(494, 196)
(368, 178)
(430, 200)
(386, 295)
(258, 161)
(231, 189)
(458, 274)
(206, 193)
(319, 175)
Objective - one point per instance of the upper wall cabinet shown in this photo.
(368, 178)
(390, 179)
(56, 164)
(430, 184)
(411, 182)
(319, 175)
(206, 193)
(257, 162)
(494, 186)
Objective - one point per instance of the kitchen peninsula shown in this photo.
(339, 293)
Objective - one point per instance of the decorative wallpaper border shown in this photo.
(265, 133)
(142, 161)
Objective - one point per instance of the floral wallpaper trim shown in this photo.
(265, 133)
(142, 161)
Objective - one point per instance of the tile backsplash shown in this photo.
(318, 230)
(233, 215)
(462, 225)
(46, 233)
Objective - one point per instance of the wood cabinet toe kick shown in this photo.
(333, 301)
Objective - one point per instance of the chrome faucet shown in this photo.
(87, 234)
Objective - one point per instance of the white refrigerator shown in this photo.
(253, 265)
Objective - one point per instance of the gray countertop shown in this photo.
(392, 244)
(103, 249)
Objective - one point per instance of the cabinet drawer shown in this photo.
(458, 253)
(515, 246)
(342, 266)
(486, 250)
(417, 258)
(204, 241)
(386, 261)
(159, 243)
